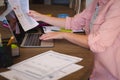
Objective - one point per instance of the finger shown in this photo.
(46, 37)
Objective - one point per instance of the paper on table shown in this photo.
(21, 8)
(16, 75)
(50, 29)
(45, 64)
(63, 72)
(58, 29)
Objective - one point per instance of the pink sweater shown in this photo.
(103, 39)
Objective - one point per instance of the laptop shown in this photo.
(29, 38)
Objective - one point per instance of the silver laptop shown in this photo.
(29, 38)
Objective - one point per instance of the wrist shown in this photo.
(65, 35)
(41, 17)
(44, 18)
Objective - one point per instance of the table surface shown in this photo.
(64, 47)
(61, 46)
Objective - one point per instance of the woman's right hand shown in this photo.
(37, 16)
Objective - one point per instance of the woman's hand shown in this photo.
(52, 35)
(60, 22)
(81, 40)
(37, 16)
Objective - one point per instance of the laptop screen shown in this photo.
(15, 27)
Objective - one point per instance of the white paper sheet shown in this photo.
(49, 65)
(63, 72)
(21, 8)
(16, 75)
(48, 29)
(44, 64)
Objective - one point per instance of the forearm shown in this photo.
(60, 22)
(81, 40)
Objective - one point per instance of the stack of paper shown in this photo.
(58, 29)
(49, 65)
(48, 29)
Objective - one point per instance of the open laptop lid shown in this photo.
(15, 27)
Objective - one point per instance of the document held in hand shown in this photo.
(21, 8)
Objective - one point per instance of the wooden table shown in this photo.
(65, 47)
(61, 46)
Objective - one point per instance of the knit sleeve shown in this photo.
(78, 21)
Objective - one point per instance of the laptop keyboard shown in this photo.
(33, 40)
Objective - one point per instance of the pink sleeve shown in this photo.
(78, 21)
(106, 35)
(81, 20)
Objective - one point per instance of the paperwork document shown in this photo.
(49, 65)
(21, 8)
(16, 75)
(48, 29)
